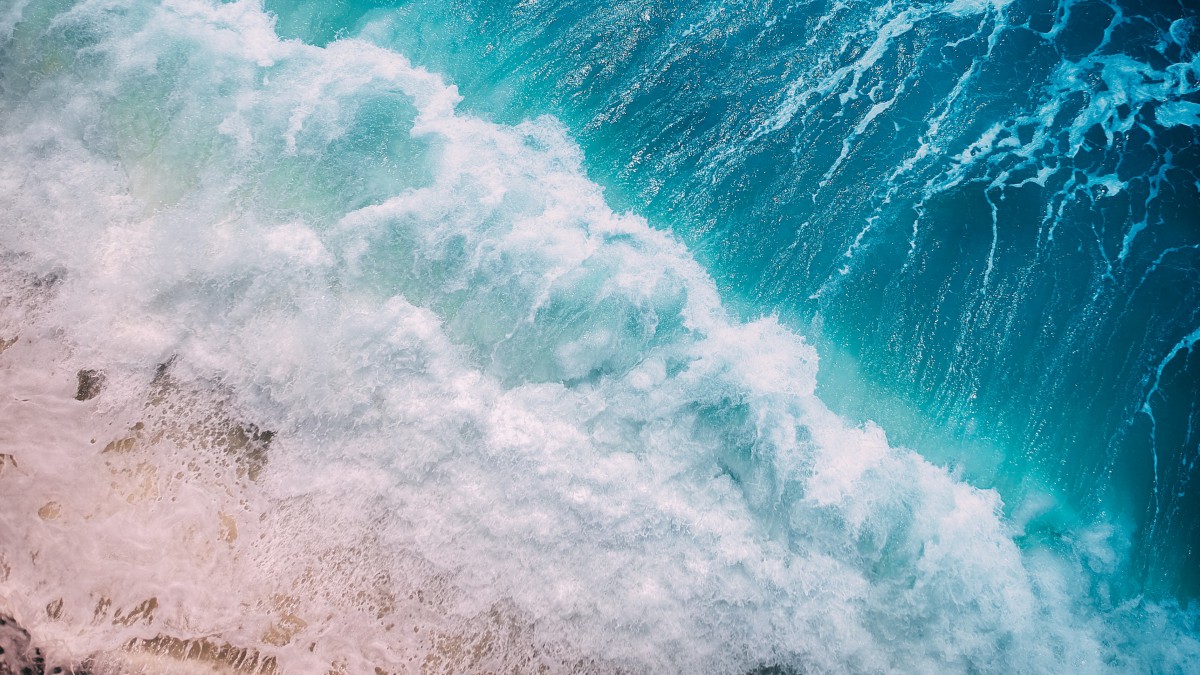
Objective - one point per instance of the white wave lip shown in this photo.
(511, 427)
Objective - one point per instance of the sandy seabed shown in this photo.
(125, 495)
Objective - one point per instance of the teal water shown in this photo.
(987, 211)
(666, 336)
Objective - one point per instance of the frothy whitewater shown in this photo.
(373, 385)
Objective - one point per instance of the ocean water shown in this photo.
(689, 337)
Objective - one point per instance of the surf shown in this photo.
(389, 385)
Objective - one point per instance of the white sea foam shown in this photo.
(510, 426)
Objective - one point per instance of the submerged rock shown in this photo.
(90, 384)
(18, 655)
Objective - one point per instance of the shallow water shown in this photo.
(484, 336)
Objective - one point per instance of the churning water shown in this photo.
(483, 336)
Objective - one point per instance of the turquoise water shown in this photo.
(989, 211)
(843, 337)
